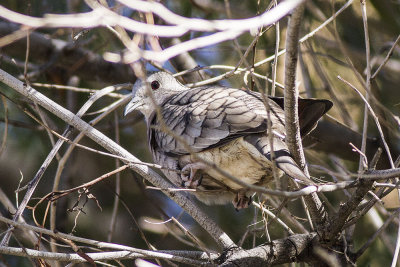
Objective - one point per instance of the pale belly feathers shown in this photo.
(238, 158)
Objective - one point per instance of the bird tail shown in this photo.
(282, 157)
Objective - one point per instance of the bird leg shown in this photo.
(241, 201)
(188, 174)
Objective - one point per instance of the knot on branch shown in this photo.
(227, 253)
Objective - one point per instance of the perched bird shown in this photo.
(189, 128)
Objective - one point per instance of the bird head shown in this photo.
(152, 92)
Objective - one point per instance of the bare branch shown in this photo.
(293, 139)
(126, 251)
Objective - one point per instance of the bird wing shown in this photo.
(310, 110)
(202, 118)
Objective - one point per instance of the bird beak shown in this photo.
(132, 105)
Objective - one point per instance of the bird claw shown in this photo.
(241, 201)
(188, 175)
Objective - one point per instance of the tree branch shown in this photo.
(295, 248)
(126, 251)
(293, 138)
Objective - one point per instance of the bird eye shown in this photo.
(155, 85)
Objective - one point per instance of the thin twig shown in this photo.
(4, 139)
(368, 85)
(275, 62)
(82, 90)
(378, 125)
(274, 217)
(114, 213)
(388, 55)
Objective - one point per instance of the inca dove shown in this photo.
(224, 126)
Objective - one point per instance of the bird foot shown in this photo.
(241, 201)
(188, 174)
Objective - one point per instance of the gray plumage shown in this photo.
(224, 126)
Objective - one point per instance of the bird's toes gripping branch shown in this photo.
(241, 201)
(190, 176)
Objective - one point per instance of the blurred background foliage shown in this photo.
(323, 57)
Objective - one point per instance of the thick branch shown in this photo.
(277, 252)
(337, 222)
(295, 248)
(293, 138)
